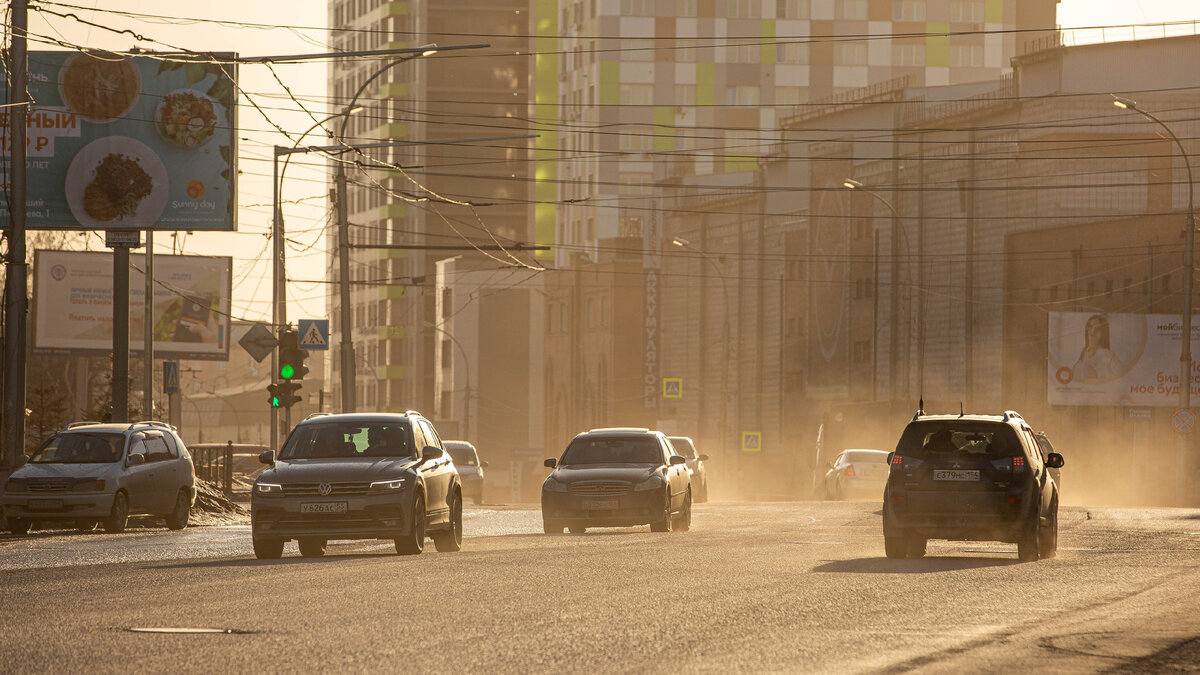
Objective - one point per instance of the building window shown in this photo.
(790, 95)
(637, 139)
(969, 11)
(793, 53)
(908, 55)
(685, 94)
(855, 10)
(685, 8)
(792, 9)
(751, 53)
(604, 311)
(685, 50)
(637, 94)
(637, 50)
(591, 313)
(908, 10)
(637, 7)
(743, 9)
(635, 183)
(966, 56)
(744, 95)
(850, 54)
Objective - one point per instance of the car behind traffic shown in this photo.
(857, 473)
(470, 469)
(695, 464)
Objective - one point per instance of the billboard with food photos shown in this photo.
(1095, 358)
(129, 142)
(73, 304)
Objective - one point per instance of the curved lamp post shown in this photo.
(851, 184)
(685, 244)
(1189, 238)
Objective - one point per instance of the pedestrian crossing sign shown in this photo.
(672, 387)
(751, 441)
(314, 333)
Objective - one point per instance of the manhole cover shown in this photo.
(185, 630)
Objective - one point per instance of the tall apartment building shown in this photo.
(651, 89)
(427, 210)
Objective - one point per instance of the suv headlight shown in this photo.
(552, 485)
(268, 488)
(396, 484)
(654, 482)
(15, 486)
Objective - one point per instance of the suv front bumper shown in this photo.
(370, 516)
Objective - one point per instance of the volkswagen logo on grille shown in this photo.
(324, 489)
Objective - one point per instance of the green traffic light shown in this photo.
(286, 371)
(274, 401)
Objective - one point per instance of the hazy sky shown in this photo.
(250, 27)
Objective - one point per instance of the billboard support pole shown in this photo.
(16, 300)
(148, 332)
(120, 371)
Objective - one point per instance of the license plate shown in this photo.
(608, 503)
(45, 505)
(323, 507)
(956, 474)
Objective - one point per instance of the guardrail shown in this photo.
(214, 461)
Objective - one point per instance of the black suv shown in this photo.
(970, 478)
(358, 476)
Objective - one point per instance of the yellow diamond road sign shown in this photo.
(751, 441)
(672, 387)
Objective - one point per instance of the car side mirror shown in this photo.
(267, 457)
(703, 458)
(21, 460)
(550, 463)
(1055, 460)
(677, 459)
(891, 456)
(136, 460)
(431, 452)
(483, 465)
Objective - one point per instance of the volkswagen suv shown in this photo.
(970, 478)
(357, 476)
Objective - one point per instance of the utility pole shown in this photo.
(16, 300)
(148, 331)
(346, 342)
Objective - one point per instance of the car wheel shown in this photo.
(414, 542)
(449, 541)
(1049, 535)
(265, 548)
(1030, 543)
(683, 521)
(551, 526)
(578, 529)
(19, 525)
(663, 523)
(85, 525)
(118, 516)
(178, 518)
(312, 547)
(894, 546)
(914, 546)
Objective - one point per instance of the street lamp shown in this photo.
(1189, 238)
(851, 184)
(685, 244)
(1189, 270)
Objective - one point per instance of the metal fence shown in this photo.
(215, 461)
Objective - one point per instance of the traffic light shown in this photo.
(283, 394)
(291, 357)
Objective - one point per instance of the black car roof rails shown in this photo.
(413, 412)
(150, 423)
(72, 425)
(317, 414)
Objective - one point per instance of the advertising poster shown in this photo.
(73, 308)
(128, 143)
(1115, 359)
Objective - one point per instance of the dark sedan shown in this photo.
(617, 478)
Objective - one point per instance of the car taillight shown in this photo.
(1018, 461)
(849, 471)
(898, 459)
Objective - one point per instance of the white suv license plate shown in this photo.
(323, 507)
(956, 474)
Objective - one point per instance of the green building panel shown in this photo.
(389, 372)
(391, 332)
(610, 83)
(706, 79)
(392, 292)
(768, 56)
(993, 11)
(395, 130)
(664, 128)
(937, 44)
(546, 95)
(395, 9)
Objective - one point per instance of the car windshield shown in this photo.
(349, 439)
(684, 447)
(80, 448)
(462, 456)
(613, 451)
(976, 439)
(866, 456)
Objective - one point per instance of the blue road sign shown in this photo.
(170, 377)
(313, 333)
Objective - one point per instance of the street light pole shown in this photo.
(729, 356)
(851, 184)
(1189, 272)
(16, 299)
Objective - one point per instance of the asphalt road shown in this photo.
(795, 587)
